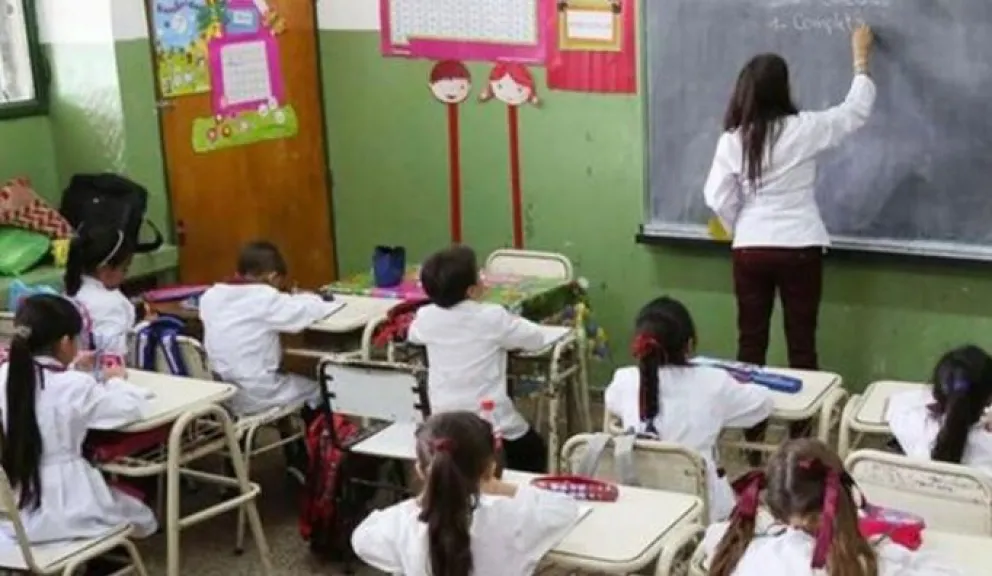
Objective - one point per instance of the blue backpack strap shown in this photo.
(173, 353)
(147, 343)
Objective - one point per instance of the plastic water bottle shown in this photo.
(487, 412)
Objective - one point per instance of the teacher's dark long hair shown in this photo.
(760, 101)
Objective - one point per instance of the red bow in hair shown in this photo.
(643, 345)
(831, 494)
(443, 445)
(748, 489)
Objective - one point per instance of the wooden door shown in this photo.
(276, 190)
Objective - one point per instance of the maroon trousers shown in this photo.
(796, 274)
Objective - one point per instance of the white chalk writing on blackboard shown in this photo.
(835, 23)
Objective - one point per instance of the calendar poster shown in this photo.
(248, 93)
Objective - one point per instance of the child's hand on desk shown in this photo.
(115, 371)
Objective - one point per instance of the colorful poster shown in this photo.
(181, 30)
(488, 30)
(247, 90)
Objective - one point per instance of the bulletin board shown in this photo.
(486, 30)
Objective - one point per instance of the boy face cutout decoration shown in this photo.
(512, 84)
(450, 82)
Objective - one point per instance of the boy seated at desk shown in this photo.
(467, 343)
(242, 320)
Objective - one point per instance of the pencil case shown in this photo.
(750, 373)
(902, 528)
(579, 487)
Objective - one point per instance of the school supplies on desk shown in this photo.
(173, 294)
(754, 374)
(17, 291)
(388, 266)
(902, 528)
(579, 488)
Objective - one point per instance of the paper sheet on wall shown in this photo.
(579, 58)
(181, 29)
(464, 29)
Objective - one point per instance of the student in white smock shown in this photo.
(667, 398)
(951, 422)
(97, 266)
(813, 529)
(242, 320)
(467, 344)
(465, 521)
(47, 411)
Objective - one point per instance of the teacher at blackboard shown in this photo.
(761, 187)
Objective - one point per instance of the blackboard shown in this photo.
(916, 179)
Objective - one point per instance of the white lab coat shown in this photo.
(76, 501)
(782, 212)
(112, 316)
(781, 551)
(241, 328)
(509, 536)
(467, 347)
(916, 430)
(696, 404)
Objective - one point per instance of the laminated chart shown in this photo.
(464, 29)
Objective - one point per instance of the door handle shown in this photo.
(180, 232)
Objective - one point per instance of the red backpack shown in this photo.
(333, 505)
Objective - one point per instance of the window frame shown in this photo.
(38, 105)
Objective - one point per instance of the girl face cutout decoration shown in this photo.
(512, 84)
(450, 82)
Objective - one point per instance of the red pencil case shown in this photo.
(579, 488)
(902, 528)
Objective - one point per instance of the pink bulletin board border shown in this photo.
(464, 50)
(214, 49)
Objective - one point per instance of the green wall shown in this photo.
(26, 149)
(583, 179)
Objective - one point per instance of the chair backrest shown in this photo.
(950, 497)
(612, 424)
(659, 465)
(10, 513)
(375, 390)
(530, 263)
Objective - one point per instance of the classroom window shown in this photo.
(21, 84)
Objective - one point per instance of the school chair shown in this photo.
(65, 557)
(950, 497)
(648, 464)
(529, 263)
(638, 462)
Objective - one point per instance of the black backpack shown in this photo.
(112, 201)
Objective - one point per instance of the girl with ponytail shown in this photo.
(813, 526)
(667, 398)
(465, 522)
(950, 422)
(47, 410)
(98, 262)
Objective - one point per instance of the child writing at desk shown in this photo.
(467, 343)
(465, 521)
(97, 266)
(242, 320)
(814, 526)
(667, 398)
(47, 410)
(948, 423)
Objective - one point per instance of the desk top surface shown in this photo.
(173, 397)
(624, 532)
(807, 401)
(875, 401)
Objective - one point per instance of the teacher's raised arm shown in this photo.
(761, 187)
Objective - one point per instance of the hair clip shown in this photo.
(958, 385)
(21, 331)
(443, 445)
(643, 345)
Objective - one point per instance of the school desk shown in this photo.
(625, 536)
(865, 413)
(199, 427)
(821, 398)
